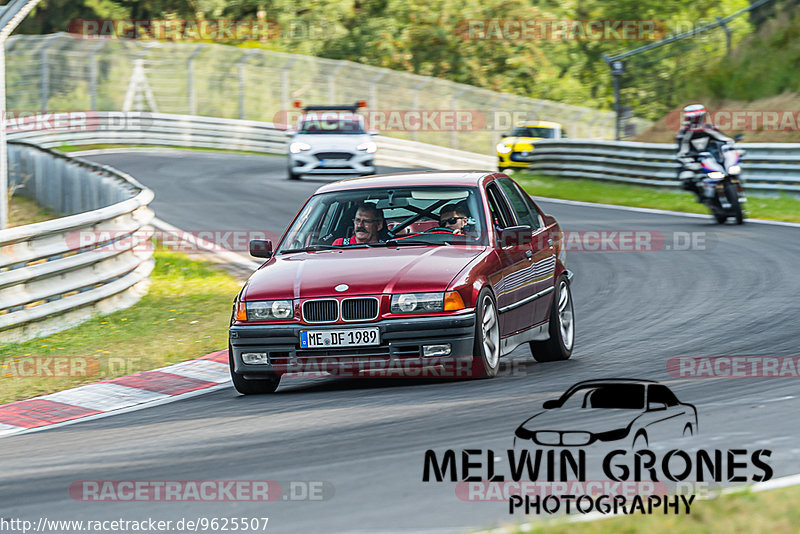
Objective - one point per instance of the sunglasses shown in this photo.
(451, 220)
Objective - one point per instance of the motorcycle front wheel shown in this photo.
(733, 198)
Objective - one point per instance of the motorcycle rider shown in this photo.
(693, 138)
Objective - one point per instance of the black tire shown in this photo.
(720, 217)
(294, 175)
(251, 387)
(502, 169)
(561, 326)
(733, 198)
(485, 360)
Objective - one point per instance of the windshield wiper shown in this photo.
(310, 248)
(400, 242)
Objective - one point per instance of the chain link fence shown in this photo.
(62, 72)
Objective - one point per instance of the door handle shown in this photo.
(528, 254)
(550, 241)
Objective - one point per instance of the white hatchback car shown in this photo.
(331, 140)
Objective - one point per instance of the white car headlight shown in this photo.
(417, 302)
(734, 169)
(297, 147)
(369, 146)
(268, 310)
(716, 175)
(503, 148)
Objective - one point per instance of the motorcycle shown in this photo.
(721, 186)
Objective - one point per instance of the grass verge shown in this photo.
(184, 315)
(26, 211)
(783, 208)
(768, 512)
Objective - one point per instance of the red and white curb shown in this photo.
(118, 395)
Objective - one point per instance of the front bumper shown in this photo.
(329, 162)
(511, 160)
(400, 350)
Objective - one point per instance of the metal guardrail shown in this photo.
(163, 129)
(57, 273)
(767, 167)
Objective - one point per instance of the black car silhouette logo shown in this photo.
(613, 409)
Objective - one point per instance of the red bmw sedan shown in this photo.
(412, 274)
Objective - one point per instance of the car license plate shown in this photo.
(355, 337)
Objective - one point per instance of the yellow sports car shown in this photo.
(514, 150)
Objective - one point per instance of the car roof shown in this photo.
(408, 179)
(541, 124)
(600, 381)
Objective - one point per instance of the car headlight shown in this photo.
(503, 148)
(734, 169)
(427, 302)
(264, 310)
(716, 175)
(297, 147)
(369, 146)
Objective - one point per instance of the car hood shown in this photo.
(368, 271)
(332, 141)
(581, 419)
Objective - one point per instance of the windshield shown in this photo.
(528, 131)
(331, 123)
(610, 396)
(388, 217)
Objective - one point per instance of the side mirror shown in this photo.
(514, 236)
(290, 133)
(549, 405)
(261, 248)
(656, 406)
(738, 137)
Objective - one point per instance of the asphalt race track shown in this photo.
(737, 294)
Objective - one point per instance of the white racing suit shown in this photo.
(691, 142)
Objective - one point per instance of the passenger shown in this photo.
(368, 223)
(454, 218)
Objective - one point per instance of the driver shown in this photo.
(368, 222)
(454, 218)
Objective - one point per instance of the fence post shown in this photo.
(285, 81)
(240, 75)
(93, 75)
(332, 84)
(192, 104)
(417, 89)
(45, 74)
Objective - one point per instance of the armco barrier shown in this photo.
(766, 167)
(57, 273)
